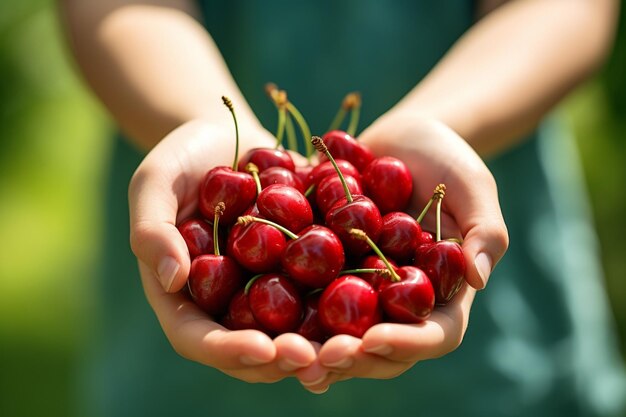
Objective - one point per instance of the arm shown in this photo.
(152, 65)
(512, 66)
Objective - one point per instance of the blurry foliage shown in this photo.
(53, 150)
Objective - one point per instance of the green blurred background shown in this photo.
(54, 144)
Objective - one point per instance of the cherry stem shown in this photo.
(246, 289)
(321, 147)
(383, 272)
(219, 210)
(253, 170)
(229, 104)
(339, 117)
(304, 127)
(292, 143)
(440, 191)
(360, 234)
(282, 113)
(310, 190)
(355, 105)
(439, 201)
(245, 220)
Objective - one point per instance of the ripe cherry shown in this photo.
(388, 182)
(286, 206)
(213, 279)
(275, 303)
(198, 235)
(280, 175)
(349, 305)
(239, 315)
(344, 146)
(256, 246)
(311, 327)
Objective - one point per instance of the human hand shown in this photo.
(434, 154)
(163, 191)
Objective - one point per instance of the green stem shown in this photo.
(304, 127)
(339, 117)
(359, 234)
(281, 126)
(363, 271)
(423, 213)
(219, 210)
(229, 104)
(289, 233)
(292, 143)
(309, 190)
(354, 120)
(246, 289)
(439, 201)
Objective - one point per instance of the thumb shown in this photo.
(154, 238)
(484, 231)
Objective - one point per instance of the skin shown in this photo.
(510, 68)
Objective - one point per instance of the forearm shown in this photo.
(507, 71)
(152, 65)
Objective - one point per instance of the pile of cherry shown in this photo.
(318, 250)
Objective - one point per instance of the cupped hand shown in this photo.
(434, 154)
(162, 192)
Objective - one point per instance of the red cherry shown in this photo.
(349, 305)
(198, 235)
(362, 214)
(311, 328)
(444, 264)
(330, 190)
(286, 206)
(236, 189)
(257, 247)
(280, 175)
(265, 158)
(303, 171)
(388, 182)
(399, 236)
(315, 258)
(410, 300)
(213, 279)
(326, 168)
(275, 303)
(239, 315)
(344, 146)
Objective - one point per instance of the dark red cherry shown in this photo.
(286, 206)
(213, 280)
(399, 236)
(239, 315)
(349, 305)
(236, 189)
(410, 300)
(275, 303)
(326, 168)
(315, 258)
(198, 235)
(330, 190)
(265, 158)
(362, 214)
(444, 264)
(388, 182)
(303, 171)
(311, 328)
(343, 146)
(280, 175)
(257, 247)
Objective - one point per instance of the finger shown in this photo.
(345, 355)
(154, 238)
(439, 335)
(194, 336)
(294, 352)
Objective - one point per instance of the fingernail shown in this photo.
(380, 349)
(288, 365)
(318, 391)
(250, 361)
(483, 266)
(166, 271)
(311, 383)
(343, 363)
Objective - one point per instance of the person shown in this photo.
(444, 85)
